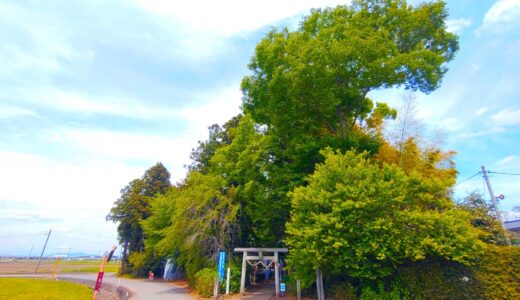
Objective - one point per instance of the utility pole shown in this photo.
(493, 198)
(44, 246)
(30, 252)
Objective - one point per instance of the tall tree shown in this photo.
(218, 137)
(483, 218)
(204, 222)
(133, 207)
(316, 79)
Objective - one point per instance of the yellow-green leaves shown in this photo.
(315, 80)
(364, 220)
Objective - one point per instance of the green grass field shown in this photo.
(61, 266)
(45, 289)
(108, 269)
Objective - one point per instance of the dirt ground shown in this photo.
(46, 266)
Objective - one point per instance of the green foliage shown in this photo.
(368, 221)
(438, 279)
(162, 209)
(379, 293)
(218, 137)
(234, 279)
(203, 222)
(316, 79)
(204, 281)
(498, 268)
(143, 262)
(245, 165)
(342, 291)
(363, 220)
(133, 207)
(483, 217)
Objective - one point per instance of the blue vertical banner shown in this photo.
(221, 264)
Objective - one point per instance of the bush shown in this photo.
(204, 281)
(234, 280)
(357, 218)
(143, 262)
(342, 291)
(495, 274)
(499, 271)
(438, 279)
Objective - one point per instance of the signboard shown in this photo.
(221, 264)
(282, 287)
(99, 280)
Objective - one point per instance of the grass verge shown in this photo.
(44, 289)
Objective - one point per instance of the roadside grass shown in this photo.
(112, 267)
(128, 276)
(45, 289)
(50, 266)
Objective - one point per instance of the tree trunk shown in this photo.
(341, 118)
(124, 258)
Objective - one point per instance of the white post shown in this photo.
(276, 275)
(298, 290)
(227, 280)
(215, 288)
(243, 274)
(319, 285)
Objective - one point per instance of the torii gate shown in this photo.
(260, 257)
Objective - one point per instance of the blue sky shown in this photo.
(92, 93)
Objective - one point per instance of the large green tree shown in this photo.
(316, 79)
(218, 137)
(202, 223)
(362, 220)
(133, 207)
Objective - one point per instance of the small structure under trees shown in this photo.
(249, 258)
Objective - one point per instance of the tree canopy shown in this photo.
(317, 78)
(358, 218)
(133, 207)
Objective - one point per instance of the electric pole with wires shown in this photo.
(493, 198)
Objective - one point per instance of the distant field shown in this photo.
(45, 289)
(47, 266)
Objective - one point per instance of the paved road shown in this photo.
(141, 289)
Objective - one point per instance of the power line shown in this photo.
(468, 178)
(502, 173)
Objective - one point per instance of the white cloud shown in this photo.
(210, 106)
(222, 106)
(200, 28)
(456, 25)
(484, 132)
(450, 124)
(481, 111)
(475, 67)
(503, 11)
(29, 215)
(67, 196)
(10, 112)
(229, 17)
(507, 116)
(39, 42)
(173, 150)
(505, 160)
(501, 17)
(35, 179)
(110, 144)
